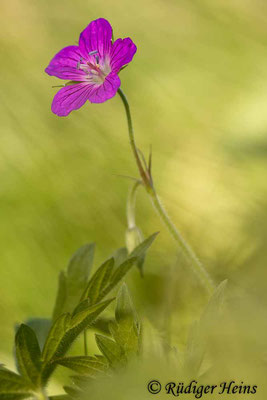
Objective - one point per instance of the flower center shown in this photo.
(96, 68)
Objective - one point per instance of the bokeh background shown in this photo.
(198, 94)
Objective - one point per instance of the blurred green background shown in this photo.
(198, 93)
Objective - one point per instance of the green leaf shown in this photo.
(73, 282)
(102, 324)
(83, 305)
(110, 349)
(61, 295)
(99, 281)
(55, 337)
(28, 354)
(120, 255)
(126, 329)
(81, 263)
(117, 276)
(81, 381)
(84, 318)
(101, 358)
(13, 386)
(125, 311)
(104, 279)
(65, 330)
(41, 327)
(141, 250)
(60, 397)
(83, 365)
(72, 392)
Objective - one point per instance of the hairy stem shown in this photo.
(143, 173)
(193, 260)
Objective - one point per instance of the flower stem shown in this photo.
(193, 260)
(144, 175)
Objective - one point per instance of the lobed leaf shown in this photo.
(124, 308)
(126, 329)
(81, 381)
(123, 268)
(117, 276)
(83, 365)
(140, 250)
(101, 324)
(72, 392)
(28, 354)
(61, 295)
(120, 255)
(41, 327)
(84, 318)
(110, 349)
(83, 305)
(13, 386)
(65, 330)
(104, 279)
(81, 263)
(72, 283)
(55, 337)
(99, 281)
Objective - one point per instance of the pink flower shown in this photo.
(91, 68)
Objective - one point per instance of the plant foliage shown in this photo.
(42, 344)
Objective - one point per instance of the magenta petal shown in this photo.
(107, 90)
(64, 64)
(70, 97)
(97, 36)
(122, 53)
